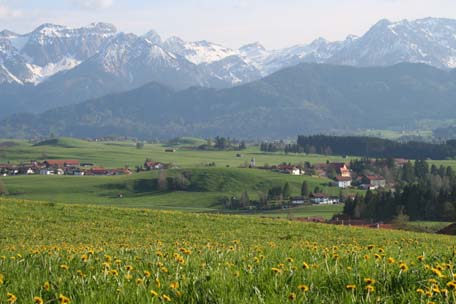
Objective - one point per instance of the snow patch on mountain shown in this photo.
(40, 74)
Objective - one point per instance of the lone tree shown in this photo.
(3, 190)
(305, 189)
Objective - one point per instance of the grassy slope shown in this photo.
(212, 184)
(217, 269)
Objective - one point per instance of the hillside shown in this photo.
(106, 255)
(308, 98)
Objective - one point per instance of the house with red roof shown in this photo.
(61, 163)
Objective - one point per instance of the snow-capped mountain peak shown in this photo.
(153, 37)
(52, 48)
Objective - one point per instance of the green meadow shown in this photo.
(60, 253)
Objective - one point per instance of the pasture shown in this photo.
(54, 253)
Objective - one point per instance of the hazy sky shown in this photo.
(274, 23)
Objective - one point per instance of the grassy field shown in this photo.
(210, 186)
(214, 184)
(121, 154)
(53, 253)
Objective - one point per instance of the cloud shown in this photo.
(93, 4)
(7, 12)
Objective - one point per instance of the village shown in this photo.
(71, 167)
(340, 174)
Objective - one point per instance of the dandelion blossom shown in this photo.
(38, 300)
(63, 299)
(11, 298)
(303, 288)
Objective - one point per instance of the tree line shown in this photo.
(376, 147)
(423, 192)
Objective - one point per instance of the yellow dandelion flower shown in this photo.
(157, 282)
(174, 285)
(350, 287)
(84, 257)
(139, 281)
(47, 286)
(147, 274)
(451, 285)
(303, 288)
(403, 267)
(38, 300)
(129, 268)
(391, 261)
(63, 299)
(290, 260)
(114, 272)
(11, 298)
(437, 272)
(128, 277)
(166, 298)
(2, 279)
(420, 291)
(305, 265)
(421, 258)
(370, 288)
(64, 267)
(276, 270)
(369, 281)
(154, 293)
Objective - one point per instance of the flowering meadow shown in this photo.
(52, 253)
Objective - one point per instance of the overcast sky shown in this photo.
(274, 23)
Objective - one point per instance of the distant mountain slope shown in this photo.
(307, 98)
(56, 65)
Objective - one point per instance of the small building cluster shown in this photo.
(59, 167)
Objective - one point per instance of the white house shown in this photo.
(343, 182)
(46, 172)
(30, 171)
(293, 170)
(323, 199)
(298, 200)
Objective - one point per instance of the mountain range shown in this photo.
(56, 65)
(303, 99)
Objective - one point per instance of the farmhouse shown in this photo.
(376, 181)
(151, 165)
(341, 169)
(323, 199)
(298, 200)
(98, 171)
(61, 163)
(319, 198)
(46, 171)
(343, 182)
(290, 169)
